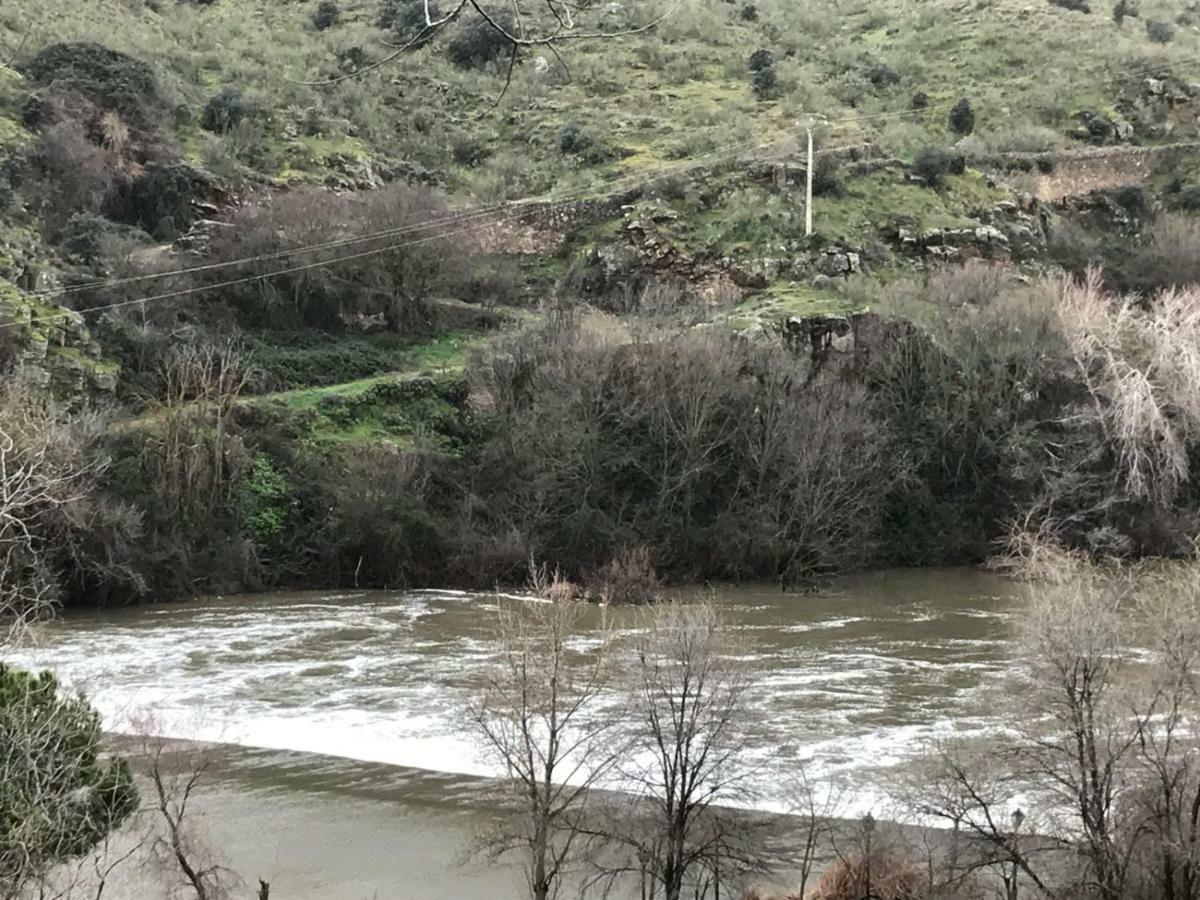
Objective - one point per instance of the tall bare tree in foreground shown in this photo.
(1102, 747)
(689, 695)
(537, 717)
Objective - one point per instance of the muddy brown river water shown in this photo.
(356, 776)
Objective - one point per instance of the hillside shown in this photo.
(317, 285)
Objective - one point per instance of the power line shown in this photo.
(440, 235)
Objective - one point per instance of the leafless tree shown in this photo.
(48, 469)
(200, 384)
(537, 717)
(812, 807)
(689, 700)
(175, 772)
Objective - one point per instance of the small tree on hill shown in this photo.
(1124, 9)
(962, 117)
(326, 15)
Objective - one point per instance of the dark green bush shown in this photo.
(761, 59)
(1187, 198)
(920, 100)
(826, 182)
(477, 43)
(880, 74)
(326, 15)
(108, 78)
(1124, 9)
(85, 235)
(224, 110)
(1160, 32)
(55, 774)
(160, 200)
(933, 164)
(578, 140)
(962, 117)
(749, 13)
(470, 150)
(407, 19)
(1077, 5)
(765, 83)
(35, 111)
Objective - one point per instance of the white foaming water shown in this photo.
(850, 683)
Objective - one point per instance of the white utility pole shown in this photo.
(808, 228)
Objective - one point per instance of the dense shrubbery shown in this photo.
(225, 110)
(326, 15)
(111, 79)
(933, 164)
(477, 43)
(962, 117)
(1160, 32)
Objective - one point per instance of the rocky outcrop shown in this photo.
(54, 348)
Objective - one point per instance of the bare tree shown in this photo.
(187, 457)
(49, 509)
(175, 772)
(689, 699)
(813, 806)
(537, 718)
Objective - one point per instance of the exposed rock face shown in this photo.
(55, 349)
(835, 263)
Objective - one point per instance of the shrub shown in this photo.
(749, 13)
(326, 15)
(962, 117)
(61, 795)
(627, 578)
(267, 500)
(160, 200)
(574, 138)
(470, 151)
(106, 77)
(933, 164)
(224, 111)
(477, 43)
(86, 238)
(577, 140)
(892, 877)
(1124, 9)
(761, 59)
(920, 100)
(1160, 32)
(880, 74)
(35, 111)
(765, 83)
(1077, 5)
(825, 176)
(407, 19)
(1186, 198)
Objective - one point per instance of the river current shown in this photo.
(852, 679)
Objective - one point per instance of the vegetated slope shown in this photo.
(146, 138)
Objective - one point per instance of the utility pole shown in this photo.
(808, 201)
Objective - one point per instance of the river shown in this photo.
(851, 680)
